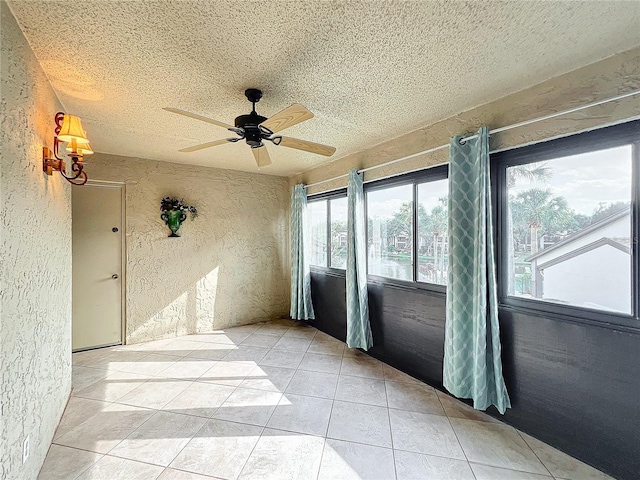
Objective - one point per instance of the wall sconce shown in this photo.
(68, 129)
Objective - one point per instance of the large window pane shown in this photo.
(339, 232)
(390, 236)
(432, 232)
(569, 224)
(317, 220)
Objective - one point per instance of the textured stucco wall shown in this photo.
(35, 253)
(229, 267)
(601, 80)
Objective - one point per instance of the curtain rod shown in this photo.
(496, 130)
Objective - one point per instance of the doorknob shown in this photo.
(114, 276)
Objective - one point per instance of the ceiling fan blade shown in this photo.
(198, 117)
(289, 142)
(262, 156)
(204, 145)
(288, 117)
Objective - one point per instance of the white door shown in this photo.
(97, 265)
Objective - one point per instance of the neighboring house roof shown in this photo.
(584, 249)
(591, 228)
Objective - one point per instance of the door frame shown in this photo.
(123, 257)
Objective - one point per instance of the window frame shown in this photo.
(328, 196)
(600, 139)
(429, 174)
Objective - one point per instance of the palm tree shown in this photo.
(537, 208)
(534, 172)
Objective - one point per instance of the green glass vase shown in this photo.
(173, 219)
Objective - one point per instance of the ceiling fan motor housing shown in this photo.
(250, 123)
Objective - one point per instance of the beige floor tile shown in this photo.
(112, 468)
(284, 455)
(181, 346)
(82, 377)
(78, 410)
(353, 461)
(282, 359)
(496, 445)
(172, 474)
(228, 373)
(212, 351)
(250, 406)
(200, 399)
(115, 358)
(63, 463)
(456, 409)
(362, 366)
(150, 365)
(154, 393)
(159, 439)
(423, 433)
(485, 472)
(296, 413)
(88, 356)
(113, 387)
(416, 466)
(394, 375)
(326, 346)
(301, 331)
(316, 362)
(361, 390)
(314, 384)
(335, 402)
(106, 429)
(245, 353)
(261, 340)
(562, 465)
(413, 397)
(219, 449)
(355, 422)
(273, 329)
(187, 368)
(263, 377)
(294, 344)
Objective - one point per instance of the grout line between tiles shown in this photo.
(456, 435)
(534, 453)
(393, 450)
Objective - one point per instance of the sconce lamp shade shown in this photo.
(81, 148)
(72, 129)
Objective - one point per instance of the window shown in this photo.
(433, 252)
(317, 221)
(338, 209)
(390, 232)
(327, 219)
(568, 218)
(399, 210)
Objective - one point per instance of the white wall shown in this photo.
(620, 228)
(35, 263)
(599, 278)
(229, 267)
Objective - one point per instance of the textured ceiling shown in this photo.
(370, 71)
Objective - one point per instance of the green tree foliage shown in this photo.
(538, 210)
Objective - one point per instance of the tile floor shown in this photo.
(277, 401)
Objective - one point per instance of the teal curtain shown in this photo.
(472, 357)
(301, 306)
(358, 328)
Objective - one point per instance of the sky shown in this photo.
(588, 179)
(585, 180)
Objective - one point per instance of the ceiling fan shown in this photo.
(254, 129)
